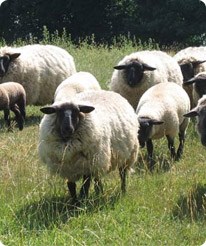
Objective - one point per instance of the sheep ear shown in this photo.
(14, 56)
(48, 110)
(85, 108)
(196, 63)
(120, 67)
(147, 67)
(192, 113)
(190, 81)
(156, 122)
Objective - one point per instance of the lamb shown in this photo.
(13, 97)
(91, 135)
(139, 71)
(199, 86)
(39, 68)
(160, 112)
(200, 112)
(192, 61)
(76, 83)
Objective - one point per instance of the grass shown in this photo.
(166, 206)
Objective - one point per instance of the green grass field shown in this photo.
(164, 207)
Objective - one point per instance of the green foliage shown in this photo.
(168, 22)
(165, 206)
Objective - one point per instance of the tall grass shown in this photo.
(165, 206)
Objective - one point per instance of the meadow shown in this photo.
(165, 206)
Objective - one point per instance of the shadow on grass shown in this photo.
(158, 164)
(193, 205)
(32, 120)
(54, 211)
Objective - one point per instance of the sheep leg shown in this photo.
(171, 146)
(7, 117)
(150, 152)
(19, 118)
(21, 104)
(85, 186)
(72, 190)
(149, 148)
(181, 145)
(98, 186)
(123, 172)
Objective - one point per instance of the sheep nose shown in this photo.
(67, 132)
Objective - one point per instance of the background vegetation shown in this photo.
(166, 206)
(182, 22)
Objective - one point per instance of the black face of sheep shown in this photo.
(5, 61)
(145, 129)
(200, 112)
(188, 69)
(200, 84)
(134, 71)
(68, 116)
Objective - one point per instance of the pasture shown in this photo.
(165, 206)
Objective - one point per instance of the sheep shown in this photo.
(139, 71)
(76, 83)
(191, 61)
(199, 86)
(160, 112)
(200, 112)
(13, 97)
(39, 68)
(91, 135)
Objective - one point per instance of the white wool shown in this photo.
(76, 83)
(105, 139)
(40, 69)
(167, 70)
(167, 103)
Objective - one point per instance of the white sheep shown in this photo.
(192, 60)
(76, 83)
(13, 97)
(92, 135)
(139, 71)
(198, 83)
(200, 112)
(160, 112)
(39, 68)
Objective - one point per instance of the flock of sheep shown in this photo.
(87, 132)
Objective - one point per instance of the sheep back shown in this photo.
(76, 83)
(40, 69)
(14, 91)
(167, 70)
(105, 139)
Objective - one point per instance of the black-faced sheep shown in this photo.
(76, 83)
(141, 70)
(199, 86)
(39, 68)
(90, 136)
(200, 112)
(13, 97)
(160, 113)
(192, 60)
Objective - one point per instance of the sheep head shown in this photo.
(5, 61)
(200, 113)
(188, 69)
(200, 83)
(68, 117)
(134, 71)
(145, 129)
